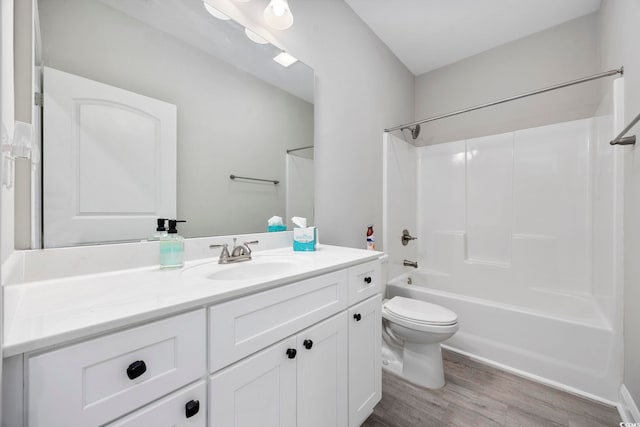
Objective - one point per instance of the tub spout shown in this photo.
(408, 263)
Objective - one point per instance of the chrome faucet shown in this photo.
(239, 253)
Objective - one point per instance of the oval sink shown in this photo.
(250, 270)
(259, 267)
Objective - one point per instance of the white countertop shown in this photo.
(54, 312)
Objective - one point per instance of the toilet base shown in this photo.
(423, 364)
(424, 367)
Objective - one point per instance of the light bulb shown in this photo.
(278, 15)
(278, 9)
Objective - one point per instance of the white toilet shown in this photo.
(415, 329)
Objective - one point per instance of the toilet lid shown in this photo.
(417, 311)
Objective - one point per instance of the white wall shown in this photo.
(361, 88)
(552, 56)
(620, 33)
(23, 60)
(226, 117)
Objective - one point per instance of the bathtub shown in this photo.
(559, 339)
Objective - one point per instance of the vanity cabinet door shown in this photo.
(257, 391)
(365, 359)
(322, 374)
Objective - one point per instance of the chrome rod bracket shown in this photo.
(627, 140)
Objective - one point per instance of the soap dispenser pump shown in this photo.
(172, 247)
(161, 229)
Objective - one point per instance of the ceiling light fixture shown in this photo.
(215, 12)
(255, 37)
(278, 15)
(285, 59)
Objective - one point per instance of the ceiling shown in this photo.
(429, 34)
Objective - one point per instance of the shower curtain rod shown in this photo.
(511, 98)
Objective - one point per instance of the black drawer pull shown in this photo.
(136, 369)
(307, 344)
(291, 353)
(357, 316)
(191, 408)
(367, 280)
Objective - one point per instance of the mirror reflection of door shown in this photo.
(109, 161)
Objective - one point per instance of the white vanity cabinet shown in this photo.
(304, 353)
(301, 381)
(317, 377)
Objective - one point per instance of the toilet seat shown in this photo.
(419, 315)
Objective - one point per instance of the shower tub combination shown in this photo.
(520, 234)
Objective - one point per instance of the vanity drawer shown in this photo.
(243, 326)
(97, 381)
(364, 281)
(172, 411)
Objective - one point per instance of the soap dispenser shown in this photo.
(161, 230)
(172, 247)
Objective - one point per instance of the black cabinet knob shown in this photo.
(357, 316)
(136, 369)
(307, 344)
(367, 280)
(191, 408)
(291, 353)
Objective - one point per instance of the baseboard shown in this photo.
(533, 377)
(627, 407)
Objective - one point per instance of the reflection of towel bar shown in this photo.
(274, 181)
(629, 140)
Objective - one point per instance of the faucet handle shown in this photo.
(253, 242)
(224, 253)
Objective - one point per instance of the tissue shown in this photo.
(304, 238)
(275, 224)
(299, 221)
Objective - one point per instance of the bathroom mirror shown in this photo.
(226, 108)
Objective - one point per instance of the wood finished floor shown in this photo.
(479, 395)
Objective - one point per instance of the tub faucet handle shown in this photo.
(406, 237)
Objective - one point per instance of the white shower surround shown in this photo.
(521, 235)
